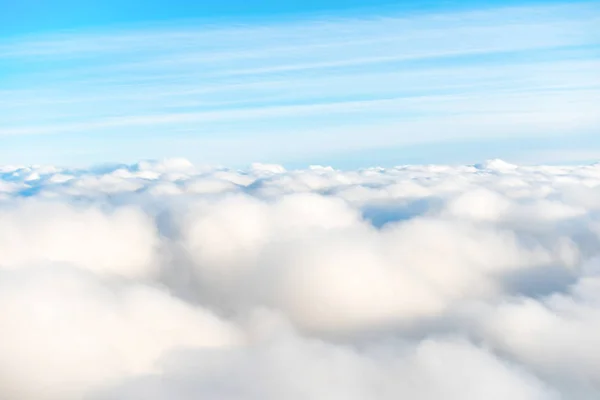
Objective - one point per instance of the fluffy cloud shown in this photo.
(65, 331)
(300, 368)
(122, 241)
(164, 280)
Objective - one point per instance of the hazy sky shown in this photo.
(348, 83)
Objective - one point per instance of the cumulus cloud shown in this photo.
(121, 241)
(300, 368)
(164, 280)
(66, 331)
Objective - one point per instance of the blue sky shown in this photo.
(349, 83)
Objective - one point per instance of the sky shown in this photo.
(346, 83)
(325, 200)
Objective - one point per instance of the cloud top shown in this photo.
(162, 279)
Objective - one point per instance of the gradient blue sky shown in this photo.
(350, 83)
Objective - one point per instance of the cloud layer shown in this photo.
(163, 280)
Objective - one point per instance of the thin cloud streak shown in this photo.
(537, 65)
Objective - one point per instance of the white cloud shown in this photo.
(66, 332)
(293, 367)
(122, 242)
(162, 280)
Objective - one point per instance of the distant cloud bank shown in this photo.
(163, 279)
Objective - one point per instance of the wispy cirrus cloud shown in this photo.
(500, 72)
